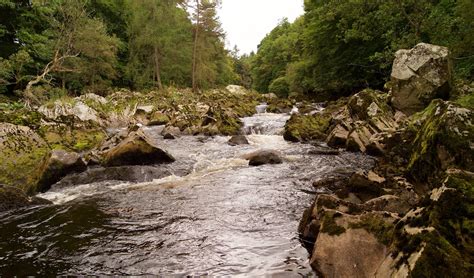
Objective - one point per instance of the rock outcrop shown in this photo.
(420, 75)
(23, 157)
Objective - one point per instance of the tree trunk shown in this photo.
(156, 56)
(196, 33)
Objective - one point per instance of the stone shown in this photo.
(440, 137)
(420, 75)
(237, 90)
(262, 157)
(77, 109)
(145, 108)
(238, 140)
(158, 118)
(168, 136)
(15, 198)
(60, 164)
(135, 149)
(23, 157)
(175, 131)
(324, 151)
(355, 253)
(337, 137)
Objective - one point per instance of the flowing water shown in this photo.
(214, 215)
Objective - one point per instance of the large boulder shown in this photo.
(420, 75)
(76, 109)
(23, 157)
(14, 198)
(264, 157)
(59, 165)
(135, 149)
(442, 137)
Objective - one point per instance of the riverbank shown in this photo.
(411, 215)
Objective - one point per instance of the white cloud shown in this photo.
(246, 22)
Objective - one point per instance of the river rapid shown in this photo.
(212, 214)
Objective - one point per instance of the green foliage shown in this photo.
(280, 87)
(279, 48)
(339, 47)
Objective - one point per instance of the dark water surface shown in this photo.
(222, 218)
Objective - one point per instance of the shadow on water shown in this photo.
(42, 240)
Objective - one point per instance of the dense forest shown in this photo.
(338, 47)
(91, 45)
(334, 49)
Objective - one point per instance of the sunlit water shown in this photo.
(214, 215)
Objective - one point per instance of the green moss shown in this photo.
(466, 101)
(329, 225)
(23, 159)
(438, 127)
(376, 225)
(75, 139)
(307, 127)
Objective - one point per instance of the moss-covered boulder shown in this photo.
(24, 155)
(307, 127)
(443, 138)
(75, 137)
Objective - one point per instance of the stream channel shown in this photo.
(210, 213)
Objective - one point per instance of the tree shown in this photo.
(212, 64)
(155, 29)
(78, 44)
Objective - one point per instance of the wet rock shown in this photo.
(238, 140)
(121, 173)
(318, 150)
(168, 136)
(264, 157)
(60, 164)
(15, 198)
(23, 157)
(158, 118)
(420, 75)
(136, 149)
(175, 131)
(337, 137)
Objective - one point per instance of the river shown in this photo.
(211, 214)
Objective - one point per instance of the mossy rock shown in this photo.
(158, 118)
(367, 104)
(307, 127)
(444, 138)
(76, 139)
(24, 155)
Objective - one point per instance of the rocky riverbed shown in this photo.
(376, 184)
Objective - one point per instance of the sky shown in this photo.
(246, 22)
